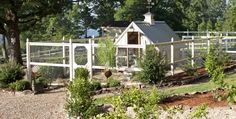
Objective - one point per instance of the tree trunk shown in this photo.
(14, 45)
(4, 49)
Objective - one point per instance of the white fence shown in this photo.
(192, 43)
(72, 65)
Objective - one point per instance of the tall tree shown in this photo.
(171, 11)
(230, 17)
(19, 15)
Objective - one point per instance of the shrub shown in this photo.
(96, 85)
(188, 68)
(51, 72)
(154, 66)
(112, 83)
(42, 81)
(10, 72)
(80, 102)
(81, 73)
(200, 112)
(20, 85)
(216, 58)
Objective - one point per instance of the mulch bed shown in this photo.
(194, 100)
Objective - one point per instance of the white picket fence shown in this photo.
(192, 43)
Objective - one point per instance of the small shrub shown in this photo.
(113, 83)
(154, 66)
(188, 68)
(80, 102)
(20, 85)
(200, 112)
(42, 81)
(81, 73)
(96, 85)
(10, 72)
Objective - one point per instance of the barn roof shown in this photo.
(159, 32)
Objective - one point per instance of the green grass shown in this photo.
(180, 89)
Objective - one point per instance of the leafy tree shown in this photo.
(65, 24)
(18, 15)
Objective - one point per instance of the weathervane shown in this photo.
(150, 4)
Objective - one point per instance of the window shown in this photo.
(133, 38)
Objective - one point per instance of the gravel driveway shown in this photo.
(42, 106)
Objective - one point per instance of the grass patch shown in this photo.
(180, 89)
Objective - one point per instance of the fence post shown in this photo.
(226, 45)
(172, 56)
(29, 71)
(208, 45)
(63, 51)
(71, 61)
(90, 57)
(192, 58)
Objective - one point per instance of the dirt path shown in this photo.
(42, 106)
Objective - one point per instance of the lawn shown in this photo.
(180, 89)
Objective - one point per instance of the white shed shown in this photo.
(145, 32)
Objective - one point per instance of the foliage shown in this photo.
(20, 15)
(112, 82)
(190, 69)
(216, 58)
(80, 102)
(230, 19)
(81, 73)
(200, 112)
(51, 72)
(145, 106)
(42, 81)
(154, 66)
(106, 52)
(173, 110)
(20, 85)
(10, 72)
(96, 85)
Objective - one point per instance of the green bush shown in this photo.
(10, 72)
(42, 81)
(96, 85)
(190, 69)
(20, 85)
(81, 73)
(80, 102)
(154, 66)
(113, 83)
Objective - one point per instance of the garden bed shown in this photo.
(195, 100)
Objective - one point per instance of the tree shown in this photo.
(202, 26)
(105, 11)
(209, 25)
(66, 24)
(19, 15)
(230, 17)
(171, 11)
(218, 25)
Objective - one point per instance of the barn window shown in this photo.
(133, 38)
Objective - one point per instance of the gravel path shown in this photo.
(42, 106)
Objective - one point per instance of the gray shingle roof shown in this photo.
(160, 32)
